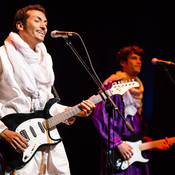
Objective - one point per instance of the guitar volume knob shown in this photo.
(25, 157)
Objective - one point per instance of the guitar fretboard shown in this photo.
(61, 117)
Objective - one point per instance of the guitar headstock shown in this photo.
(122, 87)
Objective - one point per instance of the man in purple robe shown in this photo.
(130, 106)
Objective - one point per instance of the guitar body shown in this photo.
(119, 164)
(30, 125)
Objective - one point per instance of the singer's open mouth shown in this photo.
(41, 32)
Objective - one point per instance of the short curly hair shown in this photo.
(22, 16)
(122, 54)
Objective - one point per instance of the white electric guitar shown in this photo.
(138, 146)
(36, 126)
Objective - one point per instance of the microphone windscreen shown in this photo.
(154, 61)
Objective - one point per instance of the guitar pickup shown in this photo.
(24, 134)
(32, 131)
(41, 127)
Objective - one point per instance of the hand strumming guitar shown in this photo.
(16, 140)
(125, 151)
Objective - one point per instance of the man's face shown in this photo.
(35, 29)
(133, 65)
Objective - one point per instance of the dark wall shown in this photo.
(105, 27)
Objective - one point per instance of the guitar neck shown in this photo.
(61, 117)
(115, 89)
(154, 144)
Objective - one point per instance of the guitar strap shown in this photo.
(56, 94)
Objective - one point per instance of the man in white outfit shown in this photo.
(26, 79)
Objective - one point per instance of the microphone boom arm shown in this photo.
(169, 75)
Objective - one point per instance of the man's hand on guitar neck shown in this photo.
(16, 140)
(125, 150)
(166, 145)
(87, 108)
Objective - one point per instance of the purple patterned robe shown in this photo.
(100, 119)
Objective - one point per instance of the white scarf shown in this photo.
(133, 100)
(32, 69)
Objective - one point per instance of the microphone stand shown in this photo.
(109, 100)
(169, 75)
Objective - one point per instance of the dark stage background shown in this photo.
(105, 27)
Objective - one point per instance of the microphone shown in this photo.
(64, 34)
(155, 61)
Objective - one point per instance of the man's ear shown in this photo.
(122, 63)
(19, 25)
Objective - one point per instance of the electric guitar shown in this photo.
(120, 165)
(36, 126)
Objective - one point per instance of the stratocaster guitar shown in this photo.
(36, 126)
(138, 146)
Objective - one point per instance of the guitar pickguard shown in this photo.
(34, 131)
